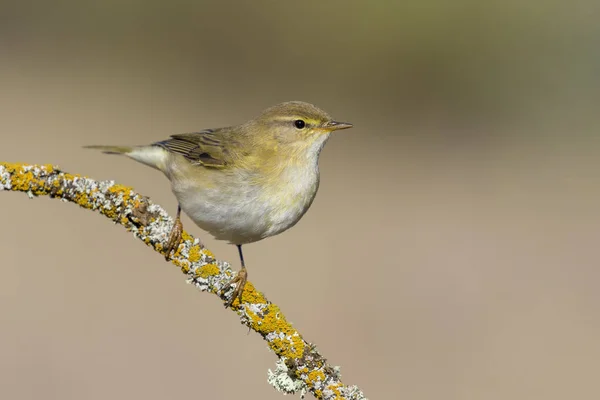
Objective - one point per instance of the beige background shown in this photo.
(452, 251)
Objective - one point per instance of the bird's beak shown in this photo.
(336, 126)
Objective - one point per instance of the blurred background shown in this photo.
(452, 251)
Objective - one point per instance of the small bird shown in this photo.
(242, 183)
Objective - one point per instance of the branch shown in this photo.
(300, 367)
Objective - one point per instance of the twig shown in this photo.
(300, 367)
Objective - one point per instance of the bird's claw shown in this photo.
(240, 282)
(174, 238)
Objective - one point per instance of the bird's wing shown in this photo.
(208, 148)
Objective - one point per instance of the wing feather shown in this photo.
(206, 148)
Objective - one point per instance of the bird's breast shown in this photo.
(291, 196)
(243, 207)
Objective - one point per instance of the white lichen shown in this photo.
(257, 309)
(105, 185)
(210, 282)
(5, 181)
(282, 380)
(157, 229)
(353, 393)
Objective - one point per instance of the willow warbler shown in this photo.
(242, 183)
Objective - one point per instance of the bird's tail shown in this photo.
(112, 149)
(152, 156)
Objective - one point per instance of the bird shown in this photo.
(242, 183)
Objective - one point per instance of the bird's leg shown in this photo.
(175, 235)
(240, 281)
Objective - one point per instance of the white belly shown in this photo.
(244, 213)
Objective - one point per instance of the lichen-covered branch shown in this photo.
(300, 367)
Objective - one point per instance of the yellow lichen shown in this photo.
(110, 212)
(273, 321)
(83, 200)
(186, 236)
(185, 268)
(57, 187)
(117, 188)
(195, 254)
(176, 252)
(251, 295)
(208, 270)
(23, 181)
(335, 389)
(315, 376)
(71, 177)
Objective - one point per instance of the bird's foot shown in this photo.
(240, 282)
(174, 238)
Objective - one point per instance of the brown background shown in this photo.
(452, 251)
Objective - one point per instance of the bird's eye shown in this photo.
(300, 124)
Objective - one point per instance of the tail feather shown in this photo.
(112, 149)
(152, 156)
